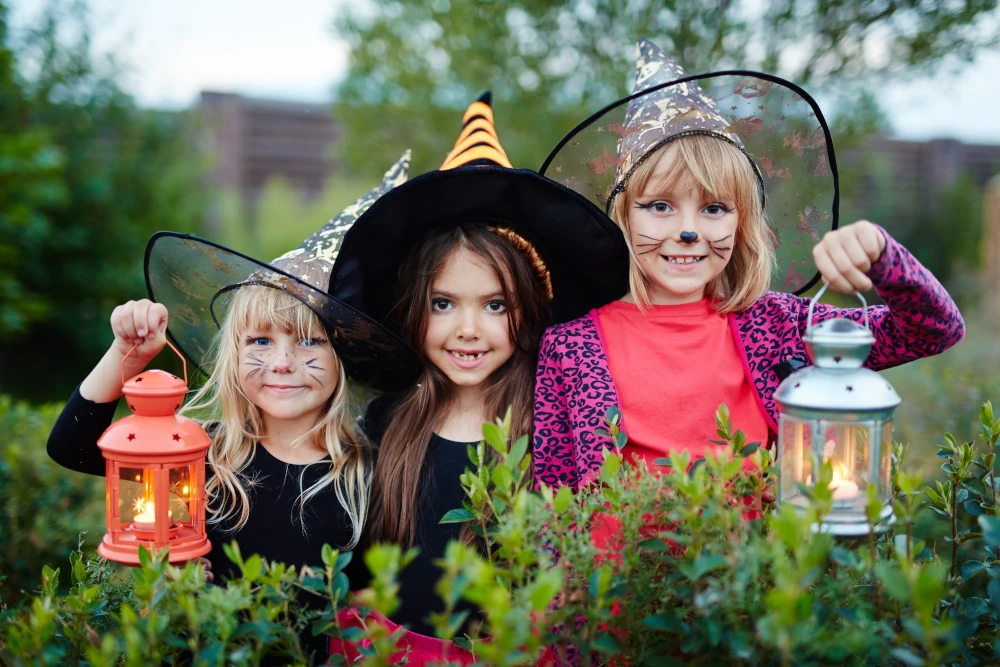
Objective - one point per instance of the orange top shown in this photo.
(673, 366)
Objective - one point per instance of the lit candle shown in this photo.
(146, 518)
(844, 490)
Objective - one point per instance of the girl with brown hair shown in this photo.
(469, 263)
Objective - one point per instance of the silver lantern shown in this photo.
(840, 412)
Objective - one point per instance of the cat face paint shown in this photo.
(678, 270)
(287, 377)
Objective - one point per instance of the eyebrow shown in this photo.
(449, 295)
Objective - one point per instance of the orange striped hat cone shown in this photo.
(478, 144)
(576, 251)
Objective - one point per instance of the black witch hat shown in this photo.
(577, 252)
(195, 279)
(774, 122)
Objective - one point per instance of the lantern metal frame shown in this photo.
(156, 441)
(837, 392)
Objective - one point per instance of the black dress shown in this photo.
(274, 528)
(441, 492)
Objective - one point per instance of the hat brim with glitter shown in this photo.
(583, 250)
(776, 124)
(196, 280)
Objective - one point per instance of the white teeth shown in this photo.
(684, 260)
(467, 357)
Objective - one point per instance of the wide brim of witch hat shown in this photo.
(582, 249)
(196, 280)
(777, 125)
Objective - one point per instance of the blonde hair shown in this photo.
(720, 170)
(240, 426)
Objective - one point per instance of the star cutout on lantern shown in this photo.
(138, 379)
(177, 436)
(131, 436)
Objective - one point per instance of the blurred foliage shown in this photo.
(415, 65)
(699, 570)
(85, 178)
(281, 218)
(940, 394)
(43, 507)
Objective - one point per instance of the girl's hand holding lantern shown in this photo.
(141, 323)
(845, 256)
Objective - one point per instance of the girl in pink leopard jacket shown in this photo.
(718, 179)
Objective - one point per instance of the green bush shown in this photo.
(43, 507)
(726, 579)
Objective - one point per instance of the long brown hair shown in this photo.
(397, 482)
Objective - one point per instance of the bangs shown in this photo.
(711, 165)
(262, 308)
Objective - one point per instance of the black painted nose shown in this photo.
(689, 237)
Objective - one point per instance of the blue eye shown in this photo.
(309, 342)
(656, 207)
(440, 304)
(259, 341)
(496, 306)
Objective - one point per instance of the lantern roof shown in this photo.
(837, 390)
(155, 383)
(161, 438)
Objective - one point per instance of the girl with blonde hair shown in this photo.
(286, 471)
(723, 184)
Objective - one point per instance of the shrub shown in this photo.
(702, 571)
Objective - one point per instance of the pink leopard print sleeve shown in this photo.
(919, 318)
(554, 462)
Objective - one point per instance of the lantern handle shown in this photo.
(183, 360)
(819, 295)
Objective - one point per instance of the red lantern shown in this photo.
(155, 473)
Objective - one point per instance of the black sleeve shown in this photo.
(73, 440)
(376, 417)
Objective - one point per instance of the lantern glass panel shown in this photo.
(796, 458)
(134, 493)
(847, 446)
(181, 492)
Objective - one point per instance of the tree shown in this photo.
(85, 178)
(415, 65)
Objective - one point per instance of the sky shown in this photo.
(176, 49)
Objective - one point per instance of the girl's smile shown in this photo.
(681, 236)
(468, 335)
(288, 377)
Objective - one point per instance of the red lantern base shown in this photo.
(185, 544)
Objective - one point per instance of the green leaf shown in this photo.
(328, 555)
(606, 643)
(518, 451)
(991, 529)
(654, 544)
(502, 478)
(145, 560)
(971, 567)
(893, 580)
(612, 464)
(457, 516)
(973, 607)
(494, 437)
(694, 466)
(252, 568)
(703, 565)
(974, 508)
(562, 500)
(621, 439)
(749, 449)
(665, 622)
(343, 560)
(613, 415)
